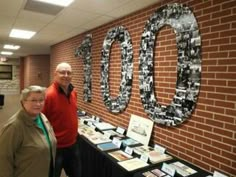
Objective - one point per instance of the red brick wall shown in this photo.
(36, 70)
(208, 138)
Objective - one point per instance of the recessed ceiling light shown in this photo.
(6, 53)
(23, 34)
(11, 47)
(63, 3)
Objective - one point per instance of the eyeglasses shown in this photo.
(36, 101)
(65, 73)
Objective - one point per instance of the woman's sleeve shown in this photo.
(9, 143)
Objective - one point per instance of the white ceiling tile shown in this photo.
(98, 6)
(6, 22)
(68, 35)
(32, 16)
(27, 25)
(98, 21)
(56, 29)
(75, 19)
(10, 7)
(130, 7)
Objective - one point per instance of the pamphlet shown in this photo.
(120, 155)
(157, 157)
(129, 142)
(133, 164)
(142, 149)
(104, 126)
(107, 146)
(149, 174)
(183, 169)
(98, 138)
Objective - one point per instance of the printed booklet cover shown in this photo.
(142, 149)
(156, 157)
(133, 164)
(183, 169)
(120, 155)
(107, 146)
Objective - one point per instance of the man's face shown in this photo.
(63, 76)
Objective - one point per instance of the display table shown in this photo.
(96, 163)
(200, 172)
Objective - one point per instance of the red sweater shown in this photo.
(61, 111)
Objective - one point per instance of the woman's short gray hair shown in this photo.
(31, 89)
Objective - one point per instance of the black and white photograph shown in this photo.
(188, 42)
(118, 104)
(84, 51)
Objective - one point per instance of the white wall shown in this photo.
(11, 86)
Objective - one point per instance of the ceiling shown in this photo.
(77, 18)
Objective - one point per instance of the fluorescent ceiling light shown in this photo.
(23, 34)
(63, 3)
(6, 53)
(11, 47)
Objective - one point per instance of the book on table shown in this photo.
(86, 130)
(129, 142)
(133, 164)
(142, 149)
(157, 157)
(113, 133)
(87, 119)
(98, 138)
(107, 146)
(104, 126)
(148, 174)
(158, 172)
(182, 169)
(120, 155)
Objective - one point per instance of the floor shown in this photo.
(11, 105)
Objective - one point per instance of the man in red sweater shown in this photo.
(61, 110)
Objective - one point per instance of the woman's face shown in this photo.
(34, 103)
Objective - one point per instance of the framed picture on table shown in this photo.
(140, 129)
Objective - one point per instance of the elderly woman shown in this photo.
(27, 140)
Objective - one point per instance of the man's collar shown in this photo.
(70, 88)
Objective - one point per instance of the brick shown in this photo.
(220, 145)
(214, 112)
(211, 162)
(204, 127)
(223, 132)
(223, 118)
(230, 141)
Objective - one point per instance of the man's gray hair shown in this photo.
(63, 64)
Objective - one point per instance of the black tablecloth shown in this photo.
(200, 172)
(96, 163)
